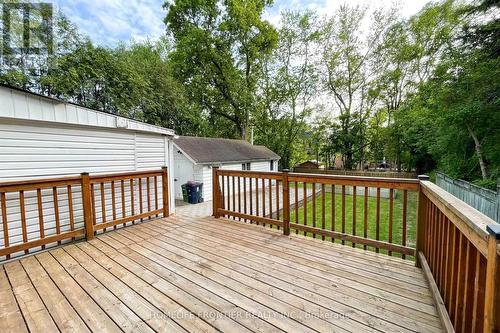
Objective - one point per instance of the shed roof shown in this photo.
(215, 150)
(25, 105)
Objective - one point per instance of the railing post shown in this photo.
(215, 192)
(492, 289)
(165, 194)
(87, 206)
(421, 221)
(286, 203)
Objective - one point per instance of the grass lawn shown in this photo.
(397, 229)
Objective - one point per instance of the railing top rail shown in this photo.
(125, 175)
(251, 174)
(470, 221)
(397, 183)
(32, 184)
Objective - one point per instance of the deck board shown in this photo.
(200, 274)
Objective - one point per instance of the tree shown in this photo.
(218, 47)
(287, 86)
(405, 59)
(345, 58)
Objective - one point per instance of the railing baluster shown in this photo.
(239, 197)
(228, 193)
(40, 214)
(354, 213)
(23, 219)
(343, 212)
(446, 260)
(141, 199)
(334, 209)
(323, 222)
(250, 197)
(278, 200)
(70, 209)
(245, 196)
(124, 212)
(470, 265)
(443, 254)
(87, 201)
(377, 223)
(263, 199)
(234, 196)
(270, 199)
(304, 204)
(391, 214)
(148, 194)
(92, 199)
(453, 277)
(460, 283)
(132, 199)
(156, 193)
(56, 212)
(113, 201)
(103, 204)
(296, 190)
(286, 203)
(404, 227)
(314, 207)
(479, 279)
(257, 199)
(223, 194)
(365, 215)
(4, 221)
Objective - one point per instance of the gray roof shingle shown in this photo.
(216, 150)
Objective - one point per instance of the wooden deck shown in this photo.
(205, 275)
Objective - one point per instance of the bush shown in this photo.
(487, 183)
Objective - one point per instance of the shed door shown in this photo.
(184, 172)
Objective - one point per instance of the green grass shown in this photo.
(397, 229)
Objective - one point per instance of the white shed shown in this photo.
(195, 156)
(44, 137)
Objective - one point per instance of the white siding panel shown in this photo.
(150, 151)
(30, 151)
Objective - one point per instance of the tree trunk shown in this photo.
(479, 153)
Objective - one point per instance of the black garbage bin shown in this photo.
(195, 192)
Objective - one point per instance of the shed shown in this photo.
(194, 158)
(44, 137)
(308, 165)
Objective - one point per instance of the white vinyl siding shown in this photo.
(207, 172)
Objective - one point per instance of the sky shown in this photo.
(107, 22)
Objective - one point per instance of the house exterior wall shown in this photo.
(38, 149)
(207, 175)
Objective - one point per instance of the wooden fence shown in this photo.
(383, 174)
(457, 247)
(42, 212)
(484, 200)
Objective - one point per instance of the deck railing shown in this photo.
(42, 212)
(456, 246)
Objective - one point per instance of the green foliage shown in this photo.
(218, 47)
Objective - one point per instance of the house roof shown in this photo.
(216, 150)
(21, 104)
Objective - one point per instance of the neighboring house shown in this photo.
(46, 137)
(195, 156)
(308, 165)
